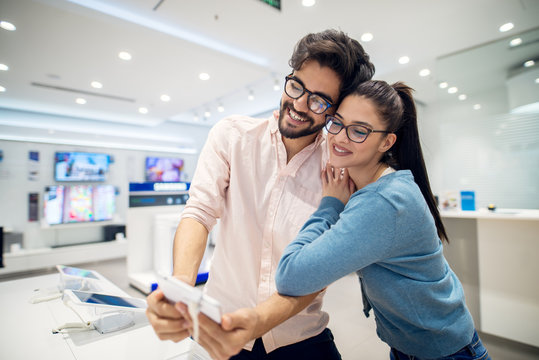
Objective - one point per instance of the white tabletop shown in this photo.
(26, 330)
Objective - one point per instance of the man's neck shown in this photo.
(294, 146)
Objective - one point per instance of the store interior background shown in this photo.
(488, 143)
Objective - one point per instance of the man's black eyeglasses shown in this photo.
(295, 89)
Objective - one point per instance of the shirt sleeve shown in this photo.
(211, 178)
(336, 242)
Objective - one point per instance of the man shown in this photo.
(261, 179)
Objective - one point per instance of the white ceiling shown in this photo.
(64, 44)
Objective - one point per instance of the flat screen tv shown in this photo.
(80, 166)
(164, 169)
(65, 204)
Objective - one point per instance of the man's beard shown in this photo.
(292, 133)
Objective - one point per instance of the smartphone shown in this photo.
(81, 273)
(178, 291)
(106, 301)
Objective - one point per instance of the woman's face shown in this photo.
(357, 110)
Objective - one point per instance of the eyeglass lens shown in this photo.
(295, 90)
(356, 133)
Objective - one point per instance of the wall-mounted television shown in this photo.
(164, 169)
(80, 166)
(64, 204)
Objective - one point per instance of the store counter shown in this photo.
(26, 330)
(495, 256)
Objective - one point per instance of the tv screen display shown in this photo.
(78, 203)
(104, 197)
(80, 166)
(53, 204)
(161, 169)
(65, 204)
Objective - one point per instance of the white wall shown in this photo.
(128, 166)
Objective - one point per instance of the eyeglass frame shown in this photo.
(346, 127)
(329, 104)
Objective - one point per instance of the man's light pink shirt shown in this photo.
(243, 179)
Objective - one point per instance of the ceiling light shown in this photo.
(443, 85)
(143, 110)
(204, 76)
(96, 84)
(80, 101)
(124, 55)
(477, 106)
(4, 67)
(195, 117)
(462, 97)
(537, 80)
(424, 72)
(2, 89)
(308, 3)
(452, 90)
(7, 26)
(220, 108)
(404, 60)
(515, 42)
(529, 63)
(207, 114)
(506, 27)
(165, 98)
(251, 96)
(367, 37)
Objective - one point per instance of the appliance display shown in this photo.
(161, 169)
(80, 166)
(64, 204)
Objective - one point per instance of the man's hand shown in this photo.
(167, 322)
(225, 340)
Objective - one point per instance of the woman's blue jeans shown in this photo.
(475, 350)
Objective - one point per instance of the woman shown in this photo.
(389, 231)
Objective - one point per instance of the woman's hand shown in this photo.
(337, 183)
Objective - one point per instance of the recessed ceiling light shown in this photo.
(452, 90)
(251, 96)
(7, 26)
(462, 97)
(515, 42)
(204, 76)
(506, 27)
(207, 114)
(143, 110)
(124, 55)
(529, 63)
(308, 3)
(404, 60)
(165, 98)
(537, 80)
(477, 106)
(367, 37)
(4, 67)
(96, 84)
(220, 108)
(443, 85)
(2, 89)
(80, 101)
(424, 72)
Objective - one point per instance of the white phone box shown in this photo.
(178, 291)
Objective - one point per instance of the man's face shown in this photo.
(295, 118)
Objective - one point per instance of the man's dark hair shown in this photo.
(339, 52)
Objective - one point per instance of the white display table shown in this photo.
(25, 331)
(502, 247)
